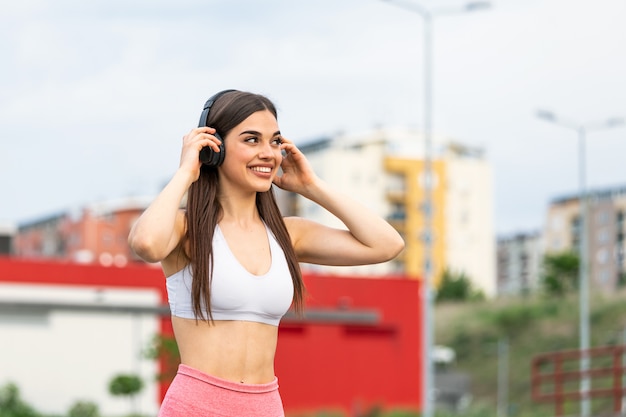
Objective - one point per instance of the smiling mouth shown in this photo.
(265, 170)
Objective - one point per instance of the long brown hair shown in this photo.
(204, 209)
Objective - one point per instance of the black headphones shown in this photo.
(207, 155)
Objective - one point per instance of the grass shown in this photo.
(531, 326)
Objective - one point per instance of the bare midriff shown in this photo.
(239, 351)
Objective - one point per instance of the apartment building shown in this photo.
(384, 170)
(605, 233)
(96, 234)
(519, 259)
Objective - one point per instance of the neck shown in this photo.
(240, 210)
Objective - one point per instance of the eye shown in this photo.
(277, 141)
(251, 139)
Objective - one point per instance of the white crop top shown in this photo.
(236, 294)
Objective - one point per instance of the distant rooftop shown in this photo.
(97, 209)
(400, 141)
(7, 228)
(600, 194)
(119, 204)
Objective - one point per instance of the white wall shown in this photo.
(63, 357)
(355, 169)
(470, 234)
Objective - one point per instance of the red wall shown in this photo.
(320, 365)
(353, 366)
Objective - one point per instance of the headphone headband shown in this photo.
(204, 117)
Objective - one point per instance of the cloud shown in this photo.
(96, 95)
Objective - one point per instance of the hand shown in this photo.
(193, 142)
(297, 173)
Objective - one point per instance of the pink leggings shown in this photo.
(196, 394)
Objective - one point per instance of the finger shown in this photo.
(199, 131)
(205, 129)
(289, 149)
(286, 144)
(278, 181)
(207, 144)
(195, 141)
(199, 140)
(213, 139)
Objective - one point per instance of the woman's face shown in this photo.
(253, 154)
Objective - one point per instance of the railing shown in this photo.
(556, 377)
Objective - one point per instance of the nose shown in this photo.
(266, 151)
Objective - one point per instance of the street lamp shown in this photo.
(583, 270)
(427, 235)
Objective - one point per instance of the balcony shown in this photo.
(395, 195)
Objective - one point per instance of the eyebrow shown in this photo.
(254, 132)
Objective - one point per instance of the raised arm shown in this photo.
(368, 239)
(159, 229)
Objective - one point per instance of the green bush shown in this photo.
(84, 409)
(401, 413)
(560, 273)
(12, 405)
(125, 385)
(516, 317)
(457, 287)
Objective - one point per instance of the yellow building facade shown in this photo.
(408, 196)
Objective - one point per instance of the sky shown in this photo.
(96, 96)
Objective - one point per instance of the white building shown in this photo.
(383, 169)
(61, 344)
(357, 170)
(519, 263)
(470, 235)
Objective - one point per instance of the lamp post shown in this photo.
(583, 270)
(427, 16)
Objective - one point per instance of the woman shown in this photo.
(243, 256)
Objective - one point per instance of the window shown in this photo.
(603, 236)
(423, 182)
(556, 223)
(107, 239)
(602, 256)
(602, 217)
(398, 212)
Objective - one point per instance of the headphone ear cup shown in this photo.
(207, 155)
(211, 158)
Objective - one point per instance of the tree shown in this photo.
(164, 349)
(560, 273)
(84, 409)
(12, 405)
(126, 385)
(457, 287)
